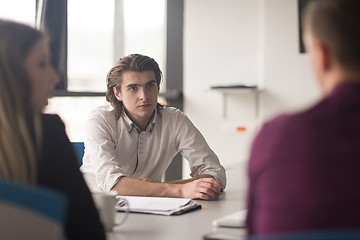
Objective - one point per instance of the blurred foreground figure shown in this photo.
(304, 167)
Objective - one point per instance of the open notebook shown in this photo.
(236, 219)
(157, 205)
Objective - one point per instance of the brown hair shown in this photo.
(133, 62)
(337, 24)
(17, 116)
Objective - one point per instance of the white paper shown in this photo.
(158, 205)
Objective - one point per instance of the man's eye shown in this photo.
(132, 88)
(150, 85)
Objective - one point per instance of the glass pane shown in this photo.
(90, 44)
(9, 9)
(145, 29)
(91, 50)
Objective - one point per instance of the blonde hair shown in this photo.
(20, 126)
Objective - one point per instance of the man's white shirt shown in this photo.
(117, 147)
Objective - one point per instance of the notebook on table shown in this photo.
(157, 205)
(236, 220)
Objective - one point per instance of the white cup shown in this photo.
(105, 203)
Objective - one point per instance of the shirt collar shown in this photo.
(131, 125)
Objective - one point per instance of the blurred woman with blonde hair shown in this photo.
(34, 148)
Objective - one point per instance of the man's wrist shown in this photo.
(174, 190)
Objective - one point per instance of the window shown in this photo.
(99, 33)
(144, 30)
(90, 44)
(105, 33)
(25, 13)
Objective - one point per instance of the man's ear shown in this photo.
(323, 56)
(117, 94)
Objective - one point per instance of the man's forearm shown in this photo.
(134, 187)
(190, 179)
(206, 188)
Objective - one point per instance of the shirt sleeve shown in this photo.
(100, 150)
(194, 148)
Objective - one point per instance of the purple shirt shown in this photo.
(304, 168)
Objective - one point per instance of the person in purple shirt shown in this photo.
(304, 168)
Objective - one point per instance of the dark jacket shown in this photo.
(58, 169)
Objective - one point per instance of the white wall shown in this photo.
(242, 41)
(288, 79)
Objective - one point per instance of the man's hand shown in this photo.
(203, 188)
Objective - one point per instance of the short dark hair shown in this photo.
(337, 24)
(133, 62)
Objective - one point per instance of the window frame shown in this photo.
(46, 9)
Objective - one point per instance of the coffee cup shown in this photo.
(105, 203)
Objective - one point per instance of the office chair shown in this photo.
(79, 150)
(28, 212)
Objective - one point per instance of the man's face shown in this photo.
(139, 92)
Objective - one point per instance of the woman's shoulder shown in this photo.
(50, 117)
(51, 120)
(52, 125)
